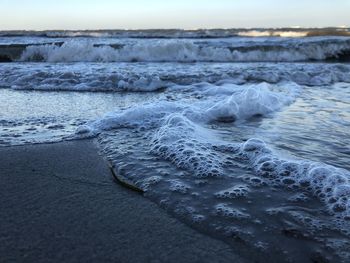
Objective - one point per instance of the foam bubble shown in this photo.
(186, 144)
(240, 190)
(149, 182)
(198, 218)
(230, 212)
(330, 184)
(148, 115)
(178, 186)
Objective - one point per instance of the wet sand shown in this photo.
(59, 203)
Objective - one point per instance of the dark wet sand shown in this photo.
(59, 203)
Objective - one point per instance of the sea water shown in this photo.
(243, 135)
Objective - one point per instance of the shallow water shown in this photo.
(256, 154)
(250, 210)
(39, 117)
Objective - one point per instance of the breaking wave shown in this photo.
(151, 77)
(190, 51)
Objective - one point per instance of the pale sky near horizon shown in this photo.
(187, 14)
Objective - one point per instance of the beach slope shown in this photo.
(59, 203)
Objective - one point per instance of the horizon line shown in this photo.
(184, 29)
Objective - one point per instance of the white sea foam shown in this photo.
(237, 191)
(271, 33)
(172, 50)
(251, 101)
(226, 102)
(230, 212)
(142, 116)
(180, 138)
(187, 145)
(154, 76)
(190, 147)
(180, 135)
(331, 185)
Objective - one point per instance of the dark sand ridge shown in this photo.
(59, 203)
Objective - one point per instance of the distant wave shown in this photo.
(295, 33)
(271, 33)
(178, 33)
(190, 51)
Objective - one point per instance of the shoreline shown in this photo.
(60, 204)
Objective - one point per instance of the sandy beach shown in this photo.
(59, 203)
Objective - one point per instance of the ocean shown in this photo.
(242, 134)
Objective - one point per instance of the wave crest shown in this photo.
(190, 51)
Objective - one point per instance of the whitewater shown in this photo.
(242, 134)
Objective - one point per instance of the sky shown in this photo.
(186, 14)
